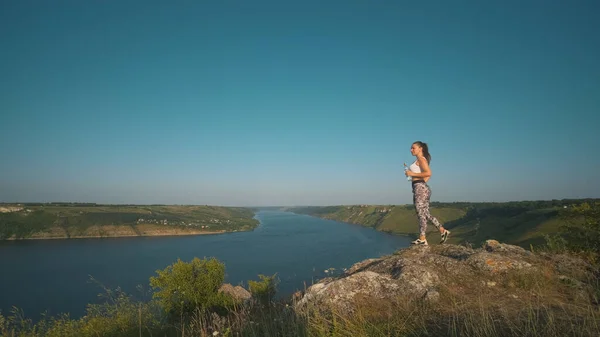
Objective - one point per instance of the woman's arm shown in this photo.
(424, 166)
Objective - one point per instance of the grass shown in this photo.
(403, 219)
(524, 228)
(457, 318)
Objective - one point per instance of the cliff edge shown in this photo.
(497, 277)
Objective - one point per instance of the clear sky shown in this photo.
(297, 102)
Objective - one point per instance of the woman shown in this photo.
(420, 173)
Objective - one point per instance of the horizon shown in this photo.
(316, 104)
(433, 202)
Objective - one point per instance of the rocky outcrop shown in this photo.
(422, 273)
(238, 292)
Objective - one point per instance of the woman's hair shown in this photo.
(425, 150)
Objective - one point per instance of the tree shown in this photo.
(185, 286)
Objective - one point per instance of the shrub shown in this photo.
(264, 290)
(580, 233)
(184, 286)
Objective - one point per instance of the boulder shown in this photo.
(237, 292)
(344, 292)
(497, 247)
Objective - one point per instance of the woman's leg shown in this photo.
(421, 200)
(430, 217)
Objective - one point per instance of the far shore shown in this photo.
(115, 236)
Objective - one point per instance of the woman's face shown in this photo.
(415, 150)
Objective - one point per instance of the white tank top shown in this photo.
(414, 167)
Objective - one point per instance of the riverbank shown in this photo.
(99, 232)
(117, 236)
(70, 221)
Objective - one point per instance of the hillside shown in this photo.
(391, 219)
(520, 223)
(67, 220)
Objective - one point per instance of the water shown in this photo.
(54, 275)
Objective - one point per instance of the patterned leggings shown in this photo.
(421, 196)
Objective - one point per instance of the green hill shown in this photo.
(521, 223)
(70, 220)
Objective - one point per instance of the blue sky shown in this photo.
(297, 102)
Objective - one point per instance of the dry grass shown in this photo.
(454, 315)
(530, 307)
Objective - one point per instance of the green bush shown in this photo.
(583, 228)
(184, 286)
(264, 290)
(580, 233)
(580, 236)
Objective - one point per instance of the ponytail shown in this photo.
(425, 150)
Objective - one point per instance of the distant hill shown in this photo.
(520, 222)
(81, 220)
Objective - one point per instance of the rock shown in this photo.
(570, 281)
(495, 263)
(456, 252)
(490, 245)
(415, 280)
(497, 247)
(344, 292)
(419, 273)
(237, 292)
(570, 266)
(360, 265)
(297, 296)
(432, 296)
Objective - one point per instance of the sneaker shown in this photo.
(445, 236)
(420, 242)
